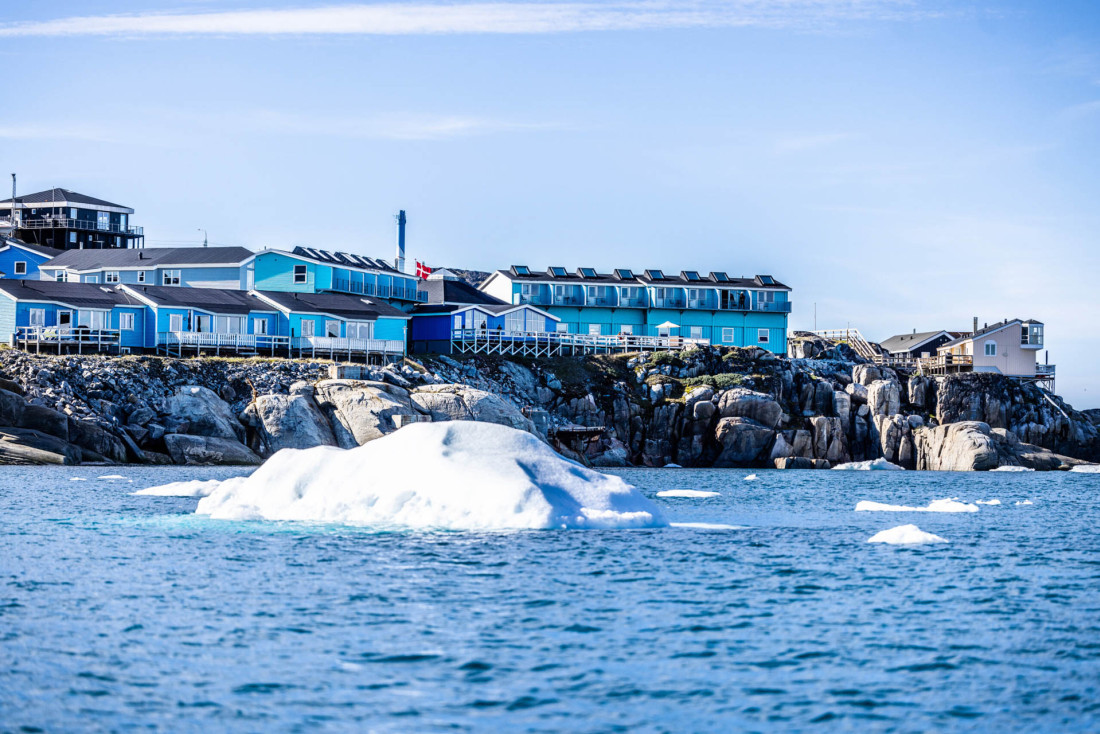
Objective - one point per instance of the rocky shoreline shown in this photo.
(719, 407)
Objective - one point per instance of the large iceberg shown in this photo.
(905, 535)
(951, 504)
(459, 475)
(874, 464)
(1086, 469)
(190, 488)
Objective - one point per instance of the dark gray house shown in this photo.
(67, 220)
(916, 345)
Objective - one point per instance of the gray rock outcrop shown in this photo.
(208, 450)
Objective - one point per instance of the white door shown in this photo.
(332, 328)
(175, 322)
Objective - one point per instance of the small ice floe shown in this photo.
(751, 478)
(1013, 468)
(455, 475)
(192, 488)
(1025, 502)
(875, 464)
(112, 476)
(706, 526)
(987, 502)
(693, 493)
(672, 466)
(951, 504)
(77, 479)
(1086, 469)
(194, 391)
(905, 535)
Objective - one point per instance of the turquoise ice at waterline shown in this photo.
(121, 611)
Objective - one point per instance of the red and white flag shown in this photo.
(422, 270)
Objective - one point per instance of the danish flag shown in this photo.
(422, 270)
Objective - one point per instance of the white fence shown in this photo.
(313, 346)
(64, 338)
(542, 343)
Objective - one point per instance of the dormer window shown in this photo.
(624, 274)
(521, 270)
(690, 275)
(719, 277)
(586, 272)
(654, 275)
(558, 272)
(765, 280)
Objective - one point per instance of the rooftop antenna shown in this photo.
(13, 201)
(204, 242)
(400, 261)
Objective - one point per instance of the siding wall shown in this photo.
(12, 255)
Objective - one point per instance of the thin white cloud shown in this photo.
(479, 17)
(383, 127)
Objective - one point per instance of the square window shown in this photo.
(594, 329)
(141, 276)
(300, 274)
(126, 321)
(695, 332)
(991, 349)
(38, 317)
(763, 336)
(727, 336)
(20, 267)
(111, 276)
(561, 328)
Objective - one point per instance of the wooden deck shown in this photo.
(554, 343)
(65, 340)
(183, 343)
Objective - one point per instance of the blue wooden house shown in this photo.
(195, 267)
(44, 315)
(454, 306)
(309, 270)
(713, 308)
(21, 260)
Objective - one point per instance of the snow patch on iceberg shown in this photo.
(951, 504)
(692, 493)
(1012, 468)
(874, 464)
(459, 475)
(905, 535)
(192, 488)
(1086, 469)
(1025, 502)
(751, 478)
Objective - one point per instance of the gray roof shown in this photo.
(78, 295)
(336, 304)
(152, 257)
(709, 280)
(909, 342)
(214, 300)
(988, 329)
(456, 291)
(57, 196)
(343, 259)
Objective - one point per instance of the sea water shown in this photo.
(769, 611)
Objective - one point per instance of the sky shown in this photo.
(901, 165)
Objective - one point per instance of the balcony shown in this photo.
(1044, 370)
(633, 302)
(708, 304)
(775, 307)
(575, 300)
(669, 302)
(603, 301)
(81, 224)
(533, 299)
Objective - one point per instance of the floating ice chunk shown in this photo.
(192, 488)
(751, 478)
(686, 493)
(1086, 469)
(112, 476)
(945, 505)
(880, 464)
(1012, 468)
(672, 466)
(987, 502)
(1025, 502)
(77, 479)
(706, 526)
(905, 535)
(460, 475)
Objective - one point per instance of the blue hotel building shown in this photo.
(725, 311)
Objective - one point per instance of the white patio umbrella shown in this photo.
(668, 325)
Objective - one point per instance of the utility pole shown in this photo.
(204, 242)
(13, 204)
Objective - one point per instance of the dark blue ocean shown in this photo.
(126, 613)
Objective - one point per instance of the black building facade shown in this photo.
(67, 220)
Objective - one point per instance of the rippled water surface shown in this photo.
(120, 612)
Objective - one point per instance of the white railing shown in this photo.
(206, 339)
(301, 345)
(618, 342)
(82, 337)
(342, 344)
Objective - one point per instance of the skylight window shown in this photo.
(655, 275)
(691, 275)
(558, 272)
(719, 277)
(766, 279)
(521, 270)
(587, 272)
(624, 274)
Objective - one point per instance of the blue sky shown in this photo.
(902, 165)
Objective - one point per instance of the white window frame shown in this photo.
(300, 274)
(36, 317)
(594, 330)
(479, 320)
(20, 267)
(329, 324)
(171, 277)
(561, 327)
(103, 220)
(126, 321)
(355, 329)
(991, 349)
(308, 327)
(695, 332)
(763, 336)
(110, 276)
(141, 276)
(68, 322)
(72, 237)
(729, 335)
(458, 321)
(175, 322)
(62, 276)
(259, 326)
(91, 279)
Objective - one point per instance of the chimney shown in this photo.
(975, 325)
(400, 260)
(914, 331)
